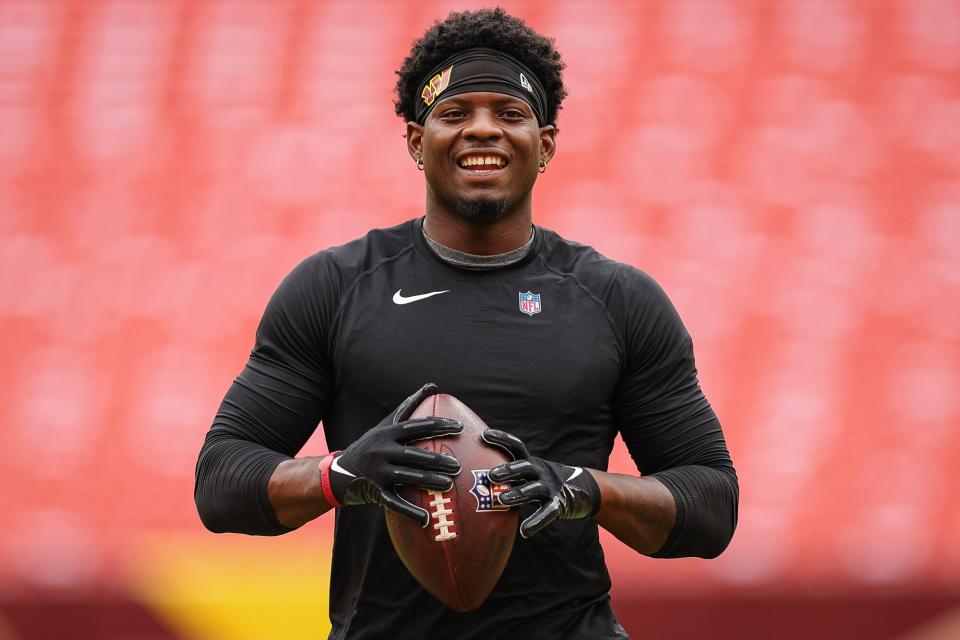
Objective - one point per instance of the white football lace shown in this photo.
(440, 512)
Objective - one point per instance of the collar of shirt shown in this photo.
(466, 260)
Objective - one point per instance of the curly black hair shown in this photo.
(491, 28)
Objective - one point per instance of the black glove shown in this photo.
(367, 470)
(565, 493)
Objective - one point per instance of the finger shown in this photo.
(529, 492)
(411, 403)
(422, 479)
(423, 428)
(516, 470)
(423, 459)
(540, 519)
(392, 501)
(510, 443)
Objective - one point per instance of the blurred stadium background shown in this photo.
(788, 170)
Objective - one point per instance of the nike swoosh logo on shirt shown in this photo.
(335, 465)
(399, 299)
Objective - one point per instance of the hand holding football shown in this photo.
(460, 555)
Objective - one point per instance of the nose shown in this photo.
(482, 125)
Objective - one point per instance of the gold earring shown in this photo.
(420, 163)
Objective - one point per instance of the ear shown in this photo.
(415, 140)
(548, 142)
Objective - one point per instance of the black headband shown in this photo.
(481, 69)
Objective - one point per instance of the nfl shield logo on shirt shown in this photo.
(530, 303)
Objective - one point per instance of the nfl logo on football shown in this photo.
(487, 492)
(530, 303)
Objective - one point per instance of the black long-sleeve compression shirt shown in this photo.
(564, 348)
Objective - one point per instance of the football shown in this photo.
(459, 556)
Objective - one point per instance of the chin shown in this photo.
(484, 211)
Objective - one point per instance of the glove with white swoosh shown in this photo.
(564, 492)
(367, 471)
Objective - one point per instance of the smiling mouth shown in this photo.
(482, 165)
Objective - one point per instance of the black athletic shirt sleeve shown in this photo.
(272, 407)
(667, 423)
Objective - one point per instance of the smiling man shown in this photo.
(557, 347)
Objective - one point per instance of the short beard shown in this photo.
(482, 211)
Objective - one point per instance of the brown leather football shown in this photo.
(460, 555)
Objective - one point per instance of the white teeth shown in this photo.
(473, 161)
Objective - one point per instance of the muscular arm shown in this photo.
(640, 512)
(685, 503)
(246, 479)
(692, 514)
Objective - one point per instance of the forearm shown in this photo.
(640, 512)
(295, 492)
(687, 511)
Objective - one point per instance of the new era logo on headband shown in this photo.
(525, 83)
(436, 85)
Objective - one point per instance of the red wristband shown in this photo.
(324, 467)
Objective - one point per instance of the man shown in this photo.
(552, 344)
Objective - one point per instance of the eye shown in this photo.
(452, 113)
(513, 114)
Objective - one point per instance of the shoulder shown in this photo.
(614, 283)
(340, 266)
(638, 308)
(316, 286)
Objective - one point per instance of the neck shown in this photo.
(479, 238)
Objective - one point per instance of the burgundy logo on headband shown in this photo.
(436, 85)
